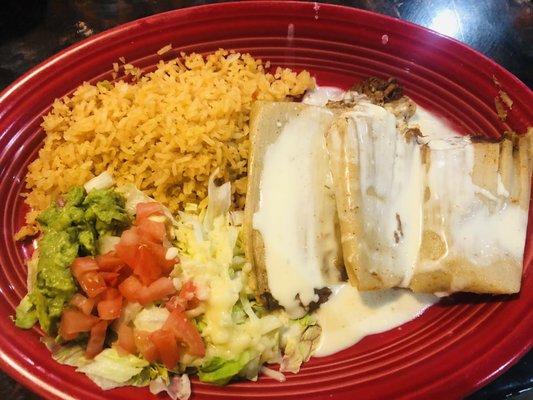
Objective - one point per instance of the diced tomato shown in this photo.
(110, 306)
(73, 322)
(128, 245)
(144, 210)
(167, 347)
(111, 293)
(175, 303)
(126, 339)
(131, 288)
(92, 283)
(157, 290)
(96, 339)
(147, 267)
(186, 332)
(82, 265)
(82, 303)
(110, 262)
(188, 295)
(145, 346)
(159, 252)
(138, 250)
(110, 278)
(186, 300)
(152, 230)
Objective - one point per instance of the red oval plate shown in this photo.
(449, 351)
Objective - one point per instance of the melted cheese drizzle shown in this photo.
(392, 215)
(477, 225)
(296, 215)
(351, 315)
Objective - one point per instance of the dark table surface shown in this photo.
(33, 30)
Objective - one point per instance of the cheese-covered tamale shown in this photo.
(475, 216)
(431, 213)
(290, 224)
(378, 179)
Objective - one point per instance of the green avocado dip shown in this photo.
(68, 231)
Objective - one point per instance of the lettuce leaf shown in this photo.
(301, 340)
(179, 387)
(26, 314)
(109, 369)
(219, 200)
(151, 319)
(219, 371)
(70, 355)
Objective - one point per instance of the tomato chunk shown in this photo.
(152, 230)
(157, 290)
(109, 309)
(144, 210)
(145, 346)
(126, 339)
(110, 262)
(82, 303)
(167, 347)
(147, 267)
(131, 288)
(188, 295)
(74, 322)
(81, 265)
(110, 278)
(96, 339)
(186, 332)
(175, 303)
(92, 283)
(128, 245)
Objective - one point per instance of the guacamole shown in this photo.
(69, 231)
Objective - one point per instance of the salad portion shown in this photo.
(131, 295)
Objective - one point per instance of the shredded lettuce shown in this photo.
(73, 355)
(134, 196)
(102, 181)
(219, 200)
(151, 319)
(219, 371)
(107, 243)
(109, 369)
(179, 387)
(240, 335)
(26, 314)
(300, 341)
(150, 373)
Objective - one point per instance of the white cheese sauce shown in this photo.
(351, 315)
(296, 215)
(391, 213)
(321, 95)
(469, 218)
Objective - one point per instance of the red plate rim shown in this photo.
(479, 371)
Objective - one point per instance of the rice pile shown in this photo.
(165, 133)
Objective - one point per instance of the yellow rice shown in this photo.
(165, 133)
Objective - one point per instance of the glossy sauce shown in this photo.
(351, 315)
(469, 218)
(296, 215)
(391, 215)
